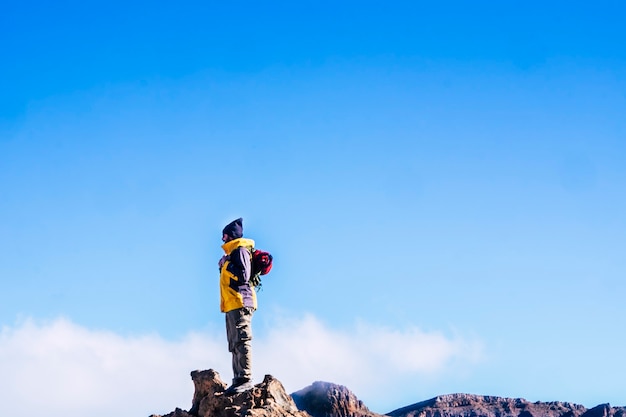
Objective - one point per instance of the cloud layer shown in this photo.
(59, 368)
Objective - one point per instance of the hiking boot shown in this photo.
(239, 385)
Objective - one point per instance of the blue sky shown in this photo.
(442, 187)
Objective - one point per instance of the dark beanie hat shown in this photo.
(234, 229)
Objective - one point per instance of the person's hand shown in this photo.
(222, 260)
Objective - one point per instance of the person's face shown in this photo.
(226, 238)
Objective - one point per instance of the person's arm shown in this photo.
(241, 264)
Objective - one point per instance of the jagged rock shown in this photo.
(176, 413)
(605, 410)
(466, 405)
(602, 410)
(267, 399)
(207, 384)
(323, 399)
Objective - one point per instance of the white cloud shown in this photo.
(59, 368)
(300, 351)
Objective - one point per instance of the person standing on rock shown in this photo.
(238, 302)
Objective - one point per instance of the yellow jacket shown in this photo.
(235, 289)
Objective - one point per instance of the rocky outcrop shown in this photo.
(605, 410)
(267, 399)
(323, 399)
(466, 405)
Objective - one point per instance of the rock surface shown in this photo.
(466, 405)
(323, 399)
(267, 399)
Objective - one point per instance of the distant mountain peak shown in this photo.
(469, 405)
(325, 399)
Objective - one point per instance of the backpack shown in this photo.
(261, 265)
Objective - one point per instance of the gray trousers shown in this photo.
(239, 335)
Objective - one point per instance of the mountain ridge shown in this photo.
(325, 399)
